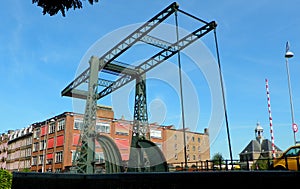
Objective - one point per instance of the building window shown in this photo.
(102, 127)
(43, 145)
(36, 133)
(49, 158)
(74, 154)
(176, 157)
(52, 128)
(194, 157)
(155, 133)
(175, 137)
(99, 157)
(175, 147)
(28, 152)
(49, 161)
(199, 149)
(60, 140)
(41, 159)
(50, 143)
(58, 157)
(198, 139)
(61, 124)
(193, 138)
(58, 170)
(35, 146)
(122, 129)
(27, 163)
(34, 160)
(194, 148)
(78, 124)
(28, 141)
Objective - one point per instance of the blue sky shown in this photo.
(41, 54)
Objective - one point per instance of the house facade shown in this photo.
(50, 145)
(259, 148)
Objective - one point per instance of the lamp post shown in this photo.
(289, 54)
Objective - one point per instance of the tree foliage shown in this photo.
(52, 7)
(217, 158)
(5, 179)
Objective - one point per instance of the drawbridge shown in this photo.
(144, 155)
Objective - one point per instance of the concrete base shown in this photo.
(172, 180)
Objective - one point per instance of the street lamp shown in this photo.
(289, 54)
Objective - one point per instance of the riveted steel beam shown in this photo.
(160, 57)
(122, 46)
(154, 41)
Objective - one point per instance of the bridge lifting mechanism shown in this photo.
(144, 155)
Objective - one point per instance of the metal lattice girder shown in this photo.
(104, 82)
(157, 42)
(140, 122)
(179, 45)
(160, 57)
(140, 128)
(82, 94)
(125, 44)
(86, 145)
(115, 68)
(139, 33)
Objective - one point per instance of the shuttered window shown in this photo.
(75, 139)
(43, 130)
(50, 142)
(60, 140)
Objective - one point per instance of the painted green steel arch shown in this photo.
(113, 159)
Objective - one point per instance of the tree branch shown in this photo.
(52, 7)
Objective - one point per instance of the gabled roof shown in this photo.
(266, 145)
(254, 146)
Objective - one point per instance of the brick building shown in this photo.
(19, 147)
(3, 149)
(54, 141)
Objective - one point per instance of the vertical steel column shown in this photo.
(140, 124)
(86, 145)
(140, 128)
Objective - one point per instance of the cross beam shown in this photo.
(159, 57)
(122, 46)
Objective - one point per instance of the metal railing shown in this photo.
(223, 165)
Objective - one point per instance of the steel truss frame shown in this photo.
(107, 63)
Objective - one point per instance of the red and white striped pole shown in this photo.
(270, 119)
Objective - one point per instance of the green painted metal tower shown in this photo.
(144, 154)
